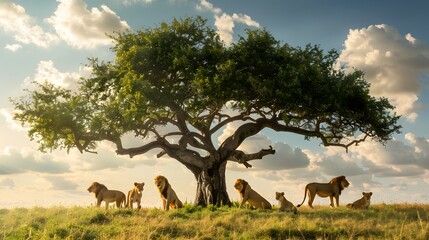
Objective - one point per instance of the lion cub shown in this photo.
(284, 204)
(249, 195)
(362, 203)
(135, 195)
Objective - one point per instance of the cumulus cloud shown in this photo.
(285, 157)
(14, 20)
(7, 115)
(7, 183)
(394, 64)
(225, 23)
(13, 47)
(131, 2)
(207, 6)
(14, 161)
(371, 159)
(106, 158)
(83, 28)
(60, 183)
(46, 71)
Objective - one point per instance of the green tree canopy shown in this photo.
(183, 76)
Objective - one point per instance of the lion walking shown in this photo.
(332, 190)
(108, 196)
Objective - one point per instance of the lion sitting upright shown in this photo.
(135, 195)
(103, 194)
(248, 195)
(168, 195)
(362, 203)
(284, 204)
(332, 190)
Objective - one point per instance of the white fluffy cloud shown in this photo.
(285, 157)
(394, 64)
(131, 2)
(83, 28)
(14, 161)
(13, 47)
(46, 71)
(207, 6)
(14, 20)
(225, 23)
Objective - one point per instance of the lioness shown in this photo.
(168, 195)
(249, 196)
(103, 194)
(284, 204)
(135, 195)
(332, 190)
(362, 203)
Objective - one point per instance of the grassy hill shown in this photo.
(399, 221)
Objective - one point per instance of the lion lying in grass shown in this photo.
(168, 195)
(248, 195)
(108, 196)
(135, 195)
(332, 190)
(362, 203)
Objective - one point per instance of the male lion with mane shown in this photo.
(168, 195)
(108, 196)
(249, 195)
(135, 195)
(332, 190)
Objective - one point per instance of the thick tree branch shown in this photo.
(242, 158)
(243, 117)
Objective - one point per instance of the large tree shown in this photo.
(181, 75)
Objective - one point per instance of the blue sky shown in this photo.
(51, 40)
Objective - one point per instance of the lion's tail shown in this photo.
(305, 195)
(127, 200)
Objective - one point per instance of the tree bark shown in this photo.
(211, 186)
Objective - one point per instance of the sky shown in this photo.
(52, 40)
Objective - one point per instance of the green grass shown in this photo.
(397, 221)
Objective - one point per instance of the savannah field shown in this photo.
(382, 221)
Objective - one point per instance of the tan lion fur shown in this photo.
(250, 196)
(362, 203)
(108, 196)
(284, 204)
(135, 195)
(168, 195)
(332, 190)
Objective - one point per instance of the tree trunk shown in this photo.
(211, 186)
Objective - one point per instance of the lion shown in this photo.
(284, 204)
(103, 194)
(332, 190)
(249, 196)
(168, 195)
(362, 203)
(135, 195)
